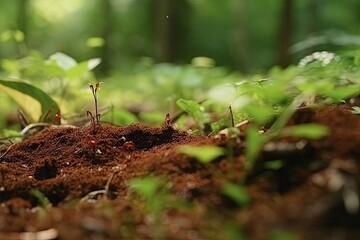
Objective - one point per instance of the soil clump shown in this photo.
(84, 174)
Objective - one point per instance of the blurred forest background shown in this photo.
(243, 35)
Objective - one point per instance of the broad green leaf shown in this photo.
(237, 193)
(311, 131)
(36, 104)
(203, 154)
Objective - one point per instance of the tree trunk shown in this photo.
(285, 33)
(169, 29)
(105, 34)
(22, 16)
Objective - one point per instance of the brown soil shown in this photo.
(314, 194)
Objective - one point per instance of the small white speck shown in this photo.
(167, 16)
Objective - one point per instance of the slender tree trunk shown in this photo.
(285, 33)
(169, 29)
(106, 34)
(22, 14)
(312, 19)
(22, 18)
(241, 42)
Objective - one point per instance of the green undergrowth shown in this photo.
(201, 99)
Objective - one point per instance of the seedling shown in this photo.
(96, 119)
(57, 118)
(44, 203)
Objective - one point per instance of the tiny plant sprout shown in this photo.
(57, 118)
(94, 92)
(168, 121)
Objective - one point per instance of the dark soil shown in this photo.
(315, 194)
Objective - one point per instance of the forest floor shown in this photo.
(84, 174)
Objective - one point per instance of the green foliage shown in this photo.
(155, 193)
(121, 117)
(274, 165)
(283, 235)
(60, 76)
(204, 154)
(44, 203)
(38, 106)
(237, 193)
(194, 109)
(254, 143)
(310, 131)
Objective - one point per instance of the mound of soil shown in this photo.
(84, 174)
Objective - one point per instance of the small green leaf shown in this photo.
(261, 114)
(274, 165)
(254, 143)
(204, 154)
(82, 68)
(120, 117)
(337, 94)
(283, 235)
(37, 105)
(146, 187)
(19, 36)
(93, 63)
(94, 42)
(43, 200)
(193, 108)
(64, 61)
(311, 131)
(237, 193)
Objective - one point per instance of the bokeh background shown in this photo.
(244, 35)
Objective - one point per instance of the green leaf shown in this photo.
(84, 67)
(64, 61)
(193, 108)
(274, 165)
(337, 94)
(283, 235)
(95, 42)
(146, 187)
(311, 131)
(254, 143)
(43, 200)
(36, 104)
(259, 113)
(237, 193)
(204, 154)
(120, 117)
